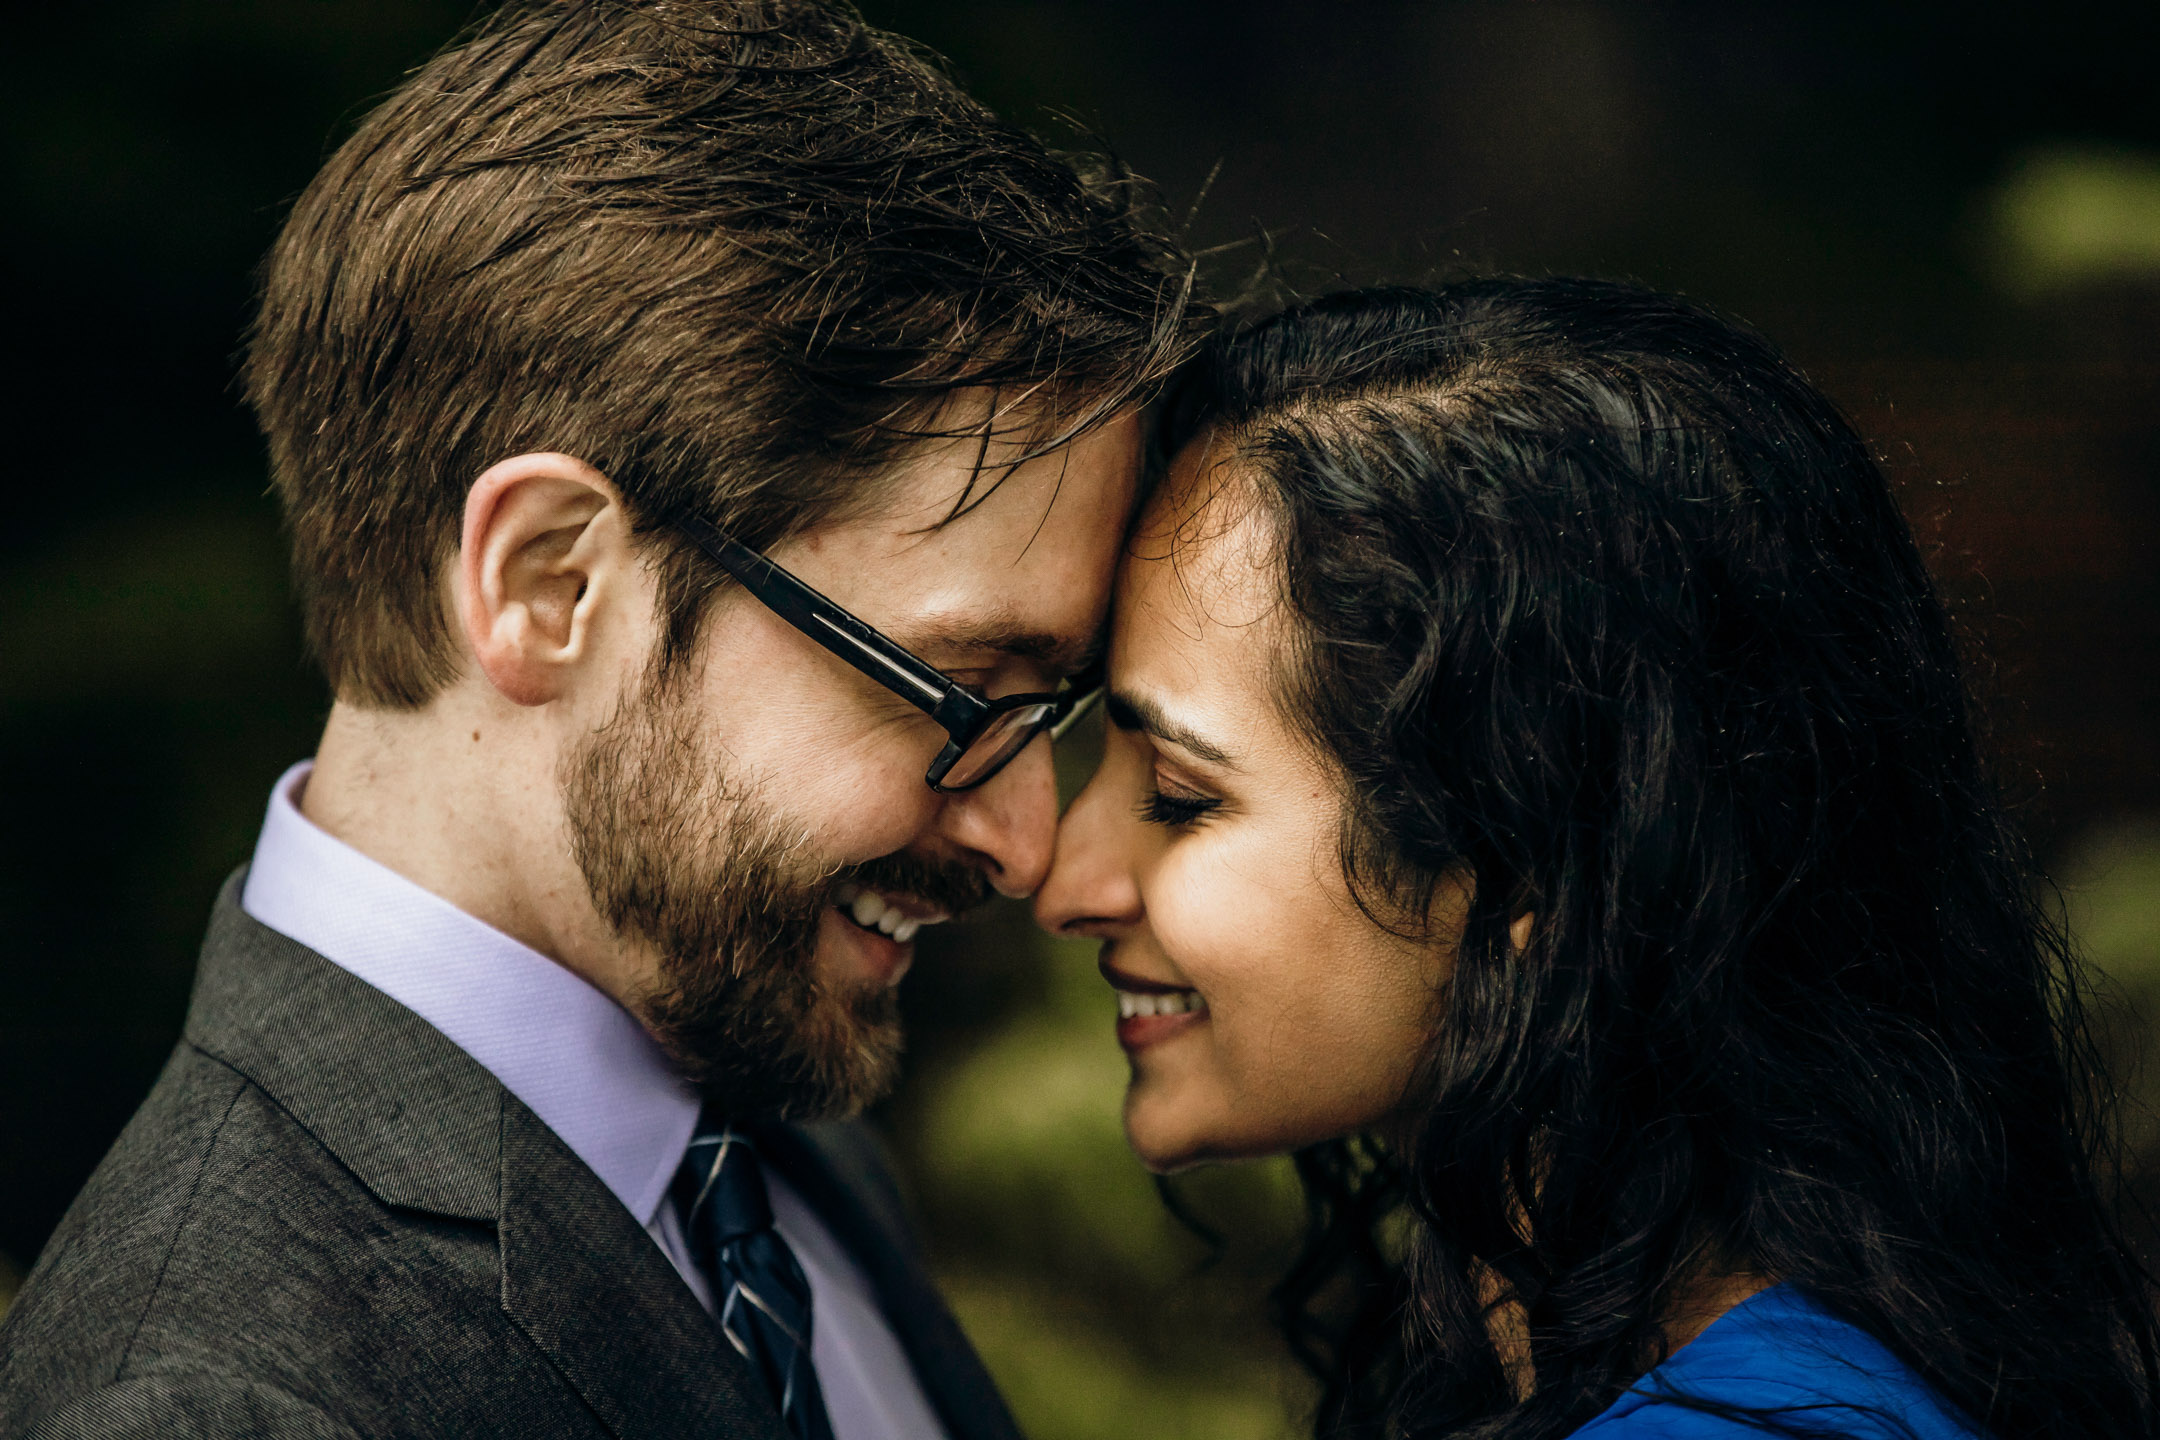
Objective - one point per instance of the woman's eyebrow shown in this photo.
(1138, 712)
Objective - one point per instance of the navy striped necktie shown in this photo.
(759, 1290)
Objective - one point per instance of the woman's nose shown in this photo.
(1092, 887)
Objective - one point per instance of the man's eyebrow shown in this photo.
(1060, 654)
(1139, 712)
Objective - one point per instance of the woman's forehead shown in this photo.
(1195, 619)
(1200, 628)
(1203, 557)
(1211, 484)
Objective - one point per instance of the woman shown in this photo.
(1540, 788)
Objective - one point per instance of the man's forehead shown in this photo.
(1024, 575)
(1012, 487)
(1006, 633)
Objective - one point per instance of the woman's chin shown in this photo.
(1167, 1159)
(1168, 1137)
(1169, 1132)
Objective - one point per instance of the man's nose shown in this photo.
(1010, 821)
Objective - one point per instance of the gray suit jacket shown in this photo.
(327, 1220)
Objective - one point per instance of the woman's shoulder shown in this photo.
(1784, 1358)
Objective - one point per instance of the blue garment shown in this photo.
(1779, 1352)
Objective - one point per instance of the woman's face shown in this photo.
(1260, 1008)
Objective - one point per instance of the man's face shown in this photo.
(755, 824)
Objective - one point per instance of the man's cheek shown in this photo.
(874, 818)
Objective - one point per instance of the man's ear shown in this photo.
(545, 542)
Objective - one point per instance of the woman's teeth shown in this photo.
(871, 911)
(1177, 1002)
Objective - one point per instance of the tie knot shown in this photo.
(722, 1188)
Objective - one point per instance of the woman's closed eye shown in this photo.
(1175, 808)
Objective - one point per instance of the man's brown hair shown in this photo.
(735, 254)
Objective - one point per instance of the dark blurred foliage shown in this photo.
(1868, 183)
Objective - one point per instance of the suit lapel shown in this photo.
(412, 1116)
(840, 1173)
(591, 1289)
(425, 1127)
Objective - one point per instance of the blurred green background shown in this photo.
(1949, 213)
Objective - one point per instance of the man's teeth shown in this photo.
(1177, 1002)
(873, 912)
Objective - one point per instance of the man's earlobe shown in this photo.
(542, 538)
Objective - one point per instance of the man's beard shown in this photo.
(728, 894)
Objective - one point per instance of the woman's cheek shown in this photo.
(1209, 920)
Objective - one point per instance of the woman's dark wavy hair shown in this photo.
(1602, 607)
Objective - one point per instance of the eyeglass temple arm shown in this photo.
(1087, 700)
(826, 622)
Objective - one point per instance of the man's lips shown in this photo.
(896, 916)
(881, 927)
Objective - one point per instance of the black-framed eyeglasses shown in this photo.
(982, 735)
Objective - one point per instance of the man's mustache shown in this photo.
(949, 885)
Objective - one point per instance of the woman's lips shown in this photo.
(1137, 1032)
(1150, 1011)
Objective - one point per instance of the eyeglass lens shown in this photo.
(1005, 736)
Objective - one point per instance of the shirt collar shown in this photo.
(575, 1058)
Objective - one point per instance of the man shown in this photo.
(705, 436)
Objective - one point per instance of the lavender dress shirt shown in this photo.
(579, 1062)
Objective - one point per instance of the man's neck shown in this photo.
(464, 804)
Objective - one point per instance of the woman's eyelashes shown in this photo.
(1173, 808)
